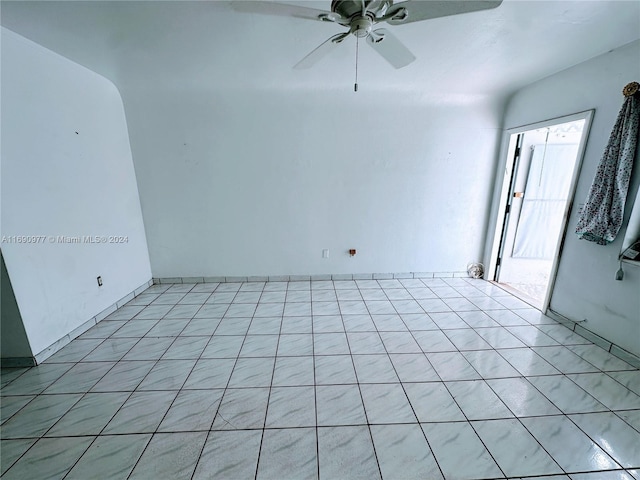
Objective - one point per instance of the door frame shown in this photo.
(510, 161)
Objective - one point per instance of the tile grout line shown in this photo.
(364, 408)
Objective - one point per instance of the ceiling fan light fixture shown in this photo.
(361, 27)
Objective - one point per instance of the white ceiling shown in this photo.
(204, 45)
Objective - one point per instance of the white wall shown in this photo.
(585, 287)
(66, 170)
(259, 182)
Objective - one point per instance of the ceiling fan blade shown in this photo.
(283, 10)
(417, 10)
(390, 48)
(320, 52)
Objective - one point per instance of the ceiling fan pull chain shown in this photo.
(355, 85)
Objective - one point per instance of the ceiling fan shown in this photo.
(360, 16)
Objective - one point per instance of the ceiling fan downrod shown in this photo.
(355, 85)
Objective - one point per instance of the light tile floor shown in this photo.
(399, 379)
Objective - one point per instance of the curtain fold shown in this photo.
(601, 217)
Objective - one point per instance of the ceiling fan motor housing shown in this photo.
(351, 8)
(361, 27)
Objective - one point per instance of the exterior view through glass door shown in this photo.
(544, 163)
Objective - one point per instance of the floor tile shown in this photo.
(288, 453)
(380, 307)
(507, 440)
(259, 346)
(300, 324)
(213, 309)
(448, 320)
(90, 415)
(80, 378)
(185, 348)
(528, 362)
(358, 323)
(330, 344)
(566, 395)
(401, 378)
(478, 401)
(167, 328)
(345, 294)
(388, 322)
(374, 369)
(291, 407)
(600, 358)
(334, 369)
(432, 402)
(137, 329)
(38, 416)
(10, 405)
(555, 433)
(110, 456)
(327, 324)
(507, 318)
(632, 417)
(489, 364)
(613, 435)
(170, 455)
(269, 310)
(252, 372)
(265, 326)
(37, 462)
(499, 337)
(223, 346)
(293, 371)
(229, 454)
(273, 297)
(564, 359)
(607, 391)
(452, 366)
(562, 334)
(210, 373)
(339, 405)
(141, 413)
(522, 398)
(631, 380)
(403, 452)
(434, 341)
(413, 368)
(418, 321)
(386, 403)
(297, 309)
(451, 442)
(102, 330)
(346, 452)
(353, 307)
(125, 376)
(192, 410)
(477, 319)
(242, 408)
(167, 375)
(233, 326)
(12, 450)
(532, 336)
(151, 348)
(75, 351)
(467, 339)
(400, 342)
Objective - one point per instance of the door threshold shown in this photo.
(533, 302)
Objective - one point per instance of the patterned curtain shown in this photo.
(601, 218)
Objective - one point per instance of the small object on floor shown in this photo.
(475, 270)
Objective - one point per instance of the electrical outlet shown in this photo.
(325, 253)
